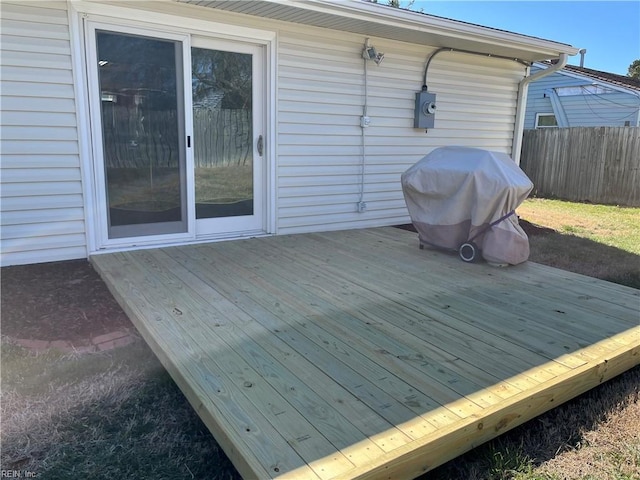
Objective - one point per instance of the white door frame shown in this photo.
(97, 145)
(161, 24)
(254, 224)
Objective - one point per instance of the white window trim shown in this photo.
(545, 114)
(81, 10)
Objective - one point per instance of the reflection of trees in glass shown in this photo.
(132, 65)
(224, 74)
(222, 129)
(222, 107)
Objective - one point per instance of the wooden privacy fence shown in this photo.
(133, 139)
(595, 164)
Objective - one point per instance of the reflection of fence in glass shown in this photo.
(221, 137)
(135, 140)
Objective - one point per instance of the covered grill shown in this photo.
(464, 198)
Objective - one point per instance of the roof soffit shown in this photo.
(374, 20)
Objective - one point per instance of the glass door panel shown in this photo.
(223, 133)
(227, 85)
(142, 117)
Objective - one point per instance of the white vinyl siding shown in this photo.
(42, 215)
(320, 101)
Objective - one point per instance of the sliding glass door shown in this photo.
(143, 136)
(178, 143)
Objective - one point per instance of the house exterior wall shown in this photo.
(610, 110)
(319, 99)
(607, 109)
(41, 198)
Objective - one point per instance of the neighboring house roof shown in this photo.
(604, 77)
(612, 78)
(580, 96)
(372, 19)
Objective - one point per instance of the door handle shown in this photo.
(260, 145)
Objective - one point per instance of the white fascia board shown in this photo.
(403, 19)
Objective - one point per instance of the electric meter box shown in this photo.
(425, 111)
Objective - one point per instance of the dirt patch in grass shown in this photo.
(611, 448)
(587, 257)
(533, 230)
(58, 301)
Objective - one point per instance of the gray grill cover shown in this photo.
(455, 192)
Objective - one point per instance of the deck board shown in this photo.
(356, 355)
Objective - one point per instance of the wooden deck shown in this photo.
(357, 355)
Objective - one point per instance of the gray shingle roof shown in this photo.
(612, 78)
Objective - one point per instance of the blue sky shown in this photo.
(609, 30)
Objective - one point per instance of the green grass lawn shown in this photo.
(601, 241)
(610, 225)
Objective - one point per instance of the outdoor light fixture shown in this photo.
(370, 53)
